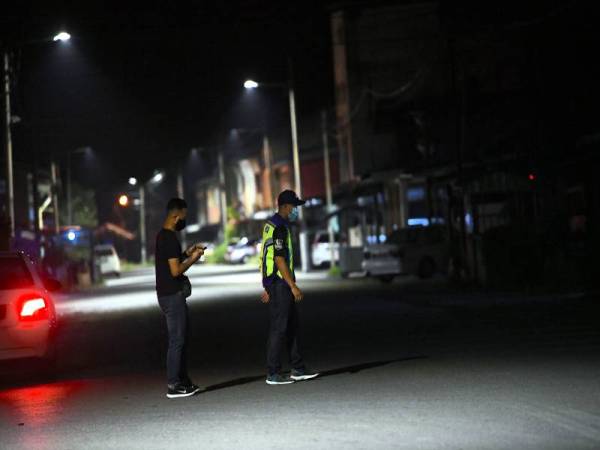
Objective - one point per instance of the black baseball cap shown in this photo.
(289, 197)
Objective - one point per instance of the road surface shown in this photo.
(407, 365)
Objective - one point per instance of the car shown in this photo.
(107, 259)
(27, 313)
(241, 251)
(321, 250)
(421, 251)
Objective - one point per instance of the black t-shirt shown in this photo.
(167, 247)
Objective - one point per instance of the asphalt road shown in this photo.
(406, 365)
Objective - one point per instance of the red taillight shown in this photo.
(33, 308)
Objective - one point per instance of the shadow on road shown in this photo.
(327, 373)
(233, 383)
(365, 366)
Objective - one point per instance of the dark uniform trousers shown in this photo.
(284, 327)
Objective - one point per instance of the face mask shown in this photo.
(293, 215)
(180, 225)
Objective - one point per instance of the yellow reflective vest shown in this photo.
(267, 255)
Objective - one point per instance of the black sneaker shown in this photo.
(303, 374)
(194, 386)
(190, 384)
(279, 379)
(180, 390)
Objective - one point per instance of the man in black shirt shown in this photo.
(170, 265)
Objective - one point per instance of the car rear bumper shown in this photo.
(109, 269)
(26, 340)
(324, 256)
(232, 260)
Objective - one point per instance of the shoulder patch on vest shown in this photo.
(278, 244)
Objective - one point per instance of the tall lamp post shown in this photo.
(328, 193)
(7, 122)
(251, 84)
(10, 194)
(156, 178)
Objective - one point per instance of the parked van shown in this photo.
(420, 251)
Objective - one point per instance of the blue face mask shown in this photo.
(293, 215)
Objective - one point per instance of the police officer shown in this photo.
(281, 291)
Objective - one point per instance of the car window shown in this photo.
(14, 274)
(104, 252)
(324, 238)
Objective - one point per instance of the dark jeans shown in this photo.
(176, 313)
(283, 329)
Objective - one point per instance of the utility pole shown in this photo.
(269, 168)
(295, 155)
(54, 176)
(328, 193)
(142, 224)
(222, 193)
(297, 177)
(36, 194)
(460, 117)
(343, 114)
(69, 205)
(10, 193)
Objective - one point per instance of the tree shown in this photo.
(83, 205)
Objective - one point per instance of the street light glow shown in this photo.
(157, 178)
(71, 235)
(63, 36)
(123, 200)
(132, 181)
(250, 84)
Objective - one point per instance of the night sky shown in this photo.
(142, 86)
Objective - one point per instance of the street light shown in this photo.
(63, 36)
(7, 121)
(251, 84)
(123, 200)
(156, 178)
(10, 192)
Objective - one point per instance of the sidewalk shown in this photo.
(247, 272)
